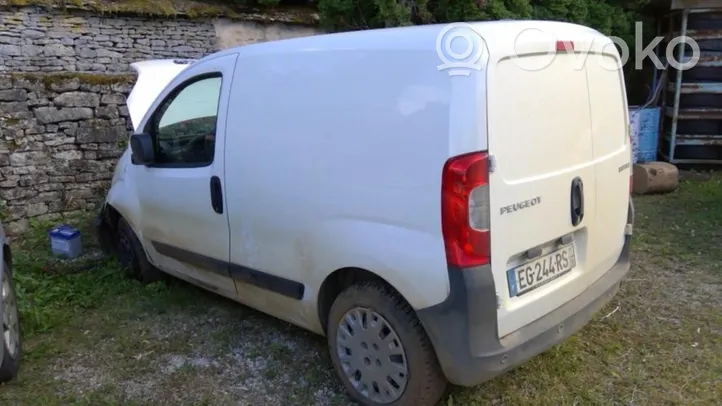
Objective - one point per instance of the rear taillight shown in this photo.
(465, 210)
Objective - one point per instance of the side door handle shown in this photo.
(216, 194)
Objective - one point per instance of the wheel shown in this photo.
(11, 341)
(132, 256)
(380, 349)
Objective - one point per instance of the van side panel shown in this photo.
(612, 157)
(334, 160)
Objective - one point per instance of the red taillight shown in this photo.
(565, 46)
(465, 245)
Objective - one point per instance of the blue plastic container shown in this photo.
(645, 133)
(65, 241)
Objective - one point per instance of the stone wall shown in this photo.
(61, 132)
(60, 137)
(44, 41)
(39, 40)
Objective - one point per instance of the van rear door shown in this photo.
(554, 132)
(540, 137)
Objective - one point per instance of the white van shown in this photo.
(436, 228)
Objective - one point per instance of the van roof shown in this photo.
(420, 37)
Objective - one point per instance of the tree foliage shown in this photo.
(612, 17)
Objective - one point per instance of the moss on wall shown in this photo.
(51, 79)
(178, 8)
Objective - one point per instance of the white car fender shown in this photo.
(123, 195)
(405, 266)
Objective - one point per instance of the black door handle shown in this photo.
(216, 194)
(577, 201)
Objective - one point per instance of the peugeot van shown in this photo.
(439, 220)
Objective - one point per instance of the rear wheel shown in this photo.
(132, 256)
(380, 350)
(10, 332)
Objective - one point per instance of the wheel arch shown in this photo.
(112, 215)
(427, 382)
(340, 279)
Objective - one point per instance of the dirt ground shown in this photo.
(92, 337)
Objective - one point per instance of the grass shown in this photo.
(51, 291)
(93, 337)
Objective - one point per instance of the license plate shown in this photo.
(535, 273)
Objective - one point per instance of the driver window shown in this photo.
(184, 128)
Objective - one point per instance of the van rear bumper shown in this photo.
(463, 329)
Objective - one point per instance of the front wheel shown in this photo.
(132, 256)
(380, 349)
(10, 332)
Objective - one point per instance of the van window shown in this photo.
(184, 126)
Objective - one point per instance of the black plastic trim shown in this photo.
(277, 284)
(216, 194)
(263, 280)
(200, 261)
(280, 285)
(463, 329)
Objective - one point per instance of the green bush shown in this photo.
(611, 17)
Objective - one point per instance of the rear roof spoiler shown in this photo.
(153, 76)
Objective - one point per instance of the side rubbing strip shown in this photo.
(267, 281)
(241, 273)
(191, 258)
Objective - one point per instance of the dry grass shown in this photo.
(109, 341)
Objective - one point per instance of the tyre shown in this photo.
(132, 255)
(10, 334)
(380, 350)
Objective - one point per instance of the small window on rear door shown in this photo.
(184, 126)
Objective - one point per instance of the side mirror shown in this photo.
(141, 145)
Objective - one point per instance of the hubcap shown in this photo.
(11, 328)
(371, 355)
